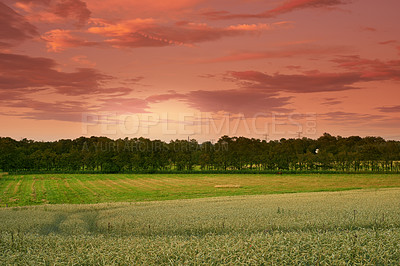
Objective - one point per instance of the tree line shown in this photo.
(101, 154)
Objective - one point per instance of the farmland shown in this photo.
(22, 190)
(345, 227)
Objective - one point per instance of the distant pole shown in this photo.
(299, 134)
(266, 137)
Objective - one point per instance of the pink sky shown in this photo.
(200, 68)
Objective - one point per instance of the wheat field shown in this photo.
(346, 227)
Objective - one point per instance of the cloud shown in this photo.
(309, 82)
(287, 7)
(390, 109)
(73, 8)
(53, 11)
(58, 40)
(70, 111)
(150, 33)
(388, 42)
(83, 60)
(166, 97)
(331, 101)
(370, 29)
(236, 101)
(350, 118)
(123, 9)
(370, 69)
(247, 102)
(284, 53)
(124, 105)
(14, 28)
(21, 72)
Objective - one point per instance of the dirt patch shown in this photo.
(227, 186)
(17, 186)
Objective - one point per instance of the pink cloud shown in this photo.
(72, 8)
(243, 56)
(370, 69)
(390, 109)
(56, 11)
(301, 83)
(83, 60)
(128, 9)
(166, 97)
(388, 42)
(332, 102)
(124, 105)
(58, 40)
(288, 6)
(247, 102)
(14, 27)
(20, 72)
(340, 117)
(371, 29)
(150, 33)
(70, 111)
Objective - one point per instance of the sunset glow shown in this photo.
(172, 69)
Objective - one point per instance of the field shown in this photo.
(198, 219)
(345, 227)
(23, 190)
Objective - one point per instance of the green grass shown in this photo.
(360, 227)
(23, 190)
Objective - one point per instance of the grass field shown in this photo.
(359, 227)
(19, 190)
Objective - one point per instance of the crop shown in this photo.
(346, 227)
(23, 190)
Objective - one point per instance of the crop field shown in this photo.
(346, 227)
(23, 190)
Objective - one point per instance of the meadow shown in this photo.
(345, 227)
(23, 190)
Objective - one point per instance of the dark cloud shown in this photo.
(388, 42)
(14, 28)
(61, 111)
(247, 102)
(331, 102)
(282, 53)
(73, 8)
(370, 69)
(340, 117)
(390, 109)
(287, 7)
(301, 83)
(21, 72)
(166, 97)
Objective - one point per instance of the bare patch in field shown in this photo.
(227, 186)
(16, 189)
(86, 187)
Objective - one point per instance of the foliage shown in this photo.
(141, 155)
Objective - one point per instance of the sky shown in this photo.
(199, 69)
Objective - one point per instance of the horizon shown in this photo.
(199, 68)
(213, 141)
